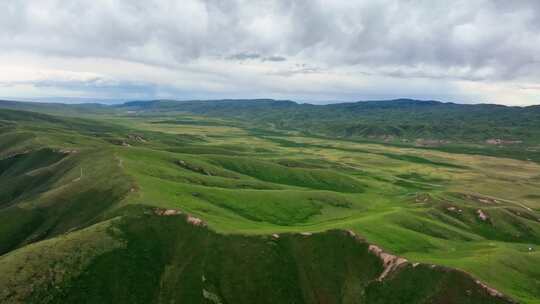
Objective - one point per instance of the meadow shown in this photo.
(476, 213)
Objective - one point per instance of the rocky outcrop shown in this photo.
(481, 215)
(390, 262)
(166, 212)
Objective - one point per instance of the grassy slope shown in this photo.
(402, 121)
(386, 213)
(188, 264)
(221, 174)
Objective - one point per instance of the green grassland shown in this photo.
(77, 198)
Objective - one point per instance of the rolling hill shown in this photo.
(244, 201)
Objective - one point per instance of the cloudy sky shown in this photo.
(307, 50)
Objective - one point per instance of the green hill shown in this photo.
(183, 262)
(164, 206)
(382, 120)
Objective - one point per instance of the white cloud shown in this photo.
(474, 50)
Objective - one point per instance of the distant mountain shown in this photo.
(225, 106)
(534, 108)
(389, 120)
(55, 107)
(73, 100)
(402, 102)
(399, 120)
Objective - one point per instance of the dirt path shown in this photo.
(120, 161)
(80, 176)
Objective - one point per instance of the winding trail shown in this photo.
(78, 178)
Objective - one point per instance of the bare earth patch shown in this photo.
(481, 215)
(166, 212)
(390, 262)
(195, 221)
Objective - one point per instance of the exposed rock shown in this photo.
(423, 198)
(166, 212)
(171, 212)
(136, 137)
(192, 167)
(211, 297)
(306, 233)
(481, 215)
(195, 221)
(275, 236)
(498, 141)
(390, 262)
(493, 292)
(68, 151)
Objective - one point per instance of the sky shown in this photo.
(315, 51)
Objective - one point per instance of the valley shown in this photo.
(90, 196)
